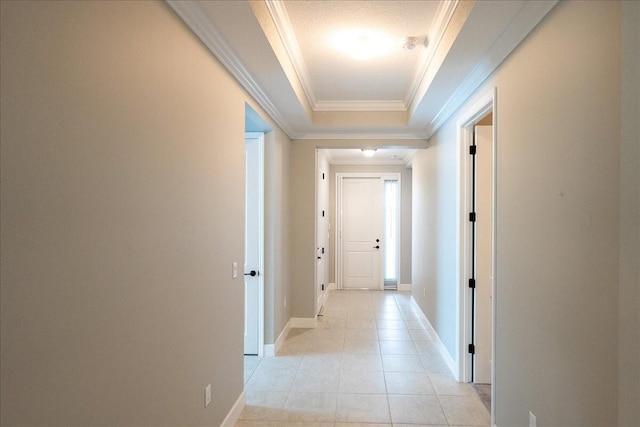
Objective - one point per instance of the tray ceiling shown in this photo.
(286, 56)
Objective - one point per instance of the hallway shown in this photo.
(370, 360)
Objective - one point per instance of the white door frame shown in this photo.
(470, 116)
(319, 299)
(260, 137)
(395, 176)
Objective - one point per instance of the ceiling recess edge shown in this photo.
(435, 35)
(195, 18)
(281, 20)
(526, 20)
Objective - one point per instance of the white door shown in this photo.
(362, 232)
(322, 230)
(484, 232)
(252, 244)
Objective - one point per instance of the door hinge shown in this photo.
(472, 349)
(323, 286)
(322, 175)
(472, 283)
(322, 250)
(323, 214)
(472, 216)
(472, 149)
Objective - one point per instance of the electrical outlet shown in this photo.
(532, 420)
(207, 395)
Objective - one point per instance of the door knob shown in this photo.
(253, 273)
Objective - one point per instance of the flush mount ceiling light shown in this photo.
(362, 44)
(368, 152)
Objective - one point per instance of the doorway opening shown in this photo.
(254, 245)
(476, 243)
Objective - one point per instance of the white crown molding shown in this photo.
(360, 106)
(281, 20)
(197, 21)
(524, 22)
(435, 35)
(408, 158)
(331, 136)
(369, 161)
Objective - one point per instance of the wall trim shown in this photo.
(393, 105)
(304, 322)
(404, 287)
(451, 363)
(270, 350)
(469, 116)
(410, 134)
(235, 411)
(333, 286)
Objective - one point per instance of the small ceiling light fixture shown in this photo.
(362, 44)
(368, 152)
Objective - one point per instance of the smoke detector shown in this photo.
(409, 43)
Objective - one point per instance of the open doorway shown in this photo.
(477, 173)
(389, 162)
(254, 244)
(254, 278)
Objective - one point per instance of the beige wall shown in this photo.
(558, 127)
(303, 229)
(405, 200)
(277, 255)
(629, 326)
(434, 235)
(122, 190)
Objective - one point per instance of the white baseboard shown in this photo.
(404, 287)
(271, 350)
(235, 411)
(304, 322)
(450, 361)
(332, 286)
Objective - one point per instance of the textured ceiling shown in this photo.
(333, 75)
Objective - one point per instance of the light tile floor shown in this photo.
(369, 361)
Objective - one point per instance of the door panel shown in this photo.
(252, 245)
(484, 232)
(322, 231)
(362, 208)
